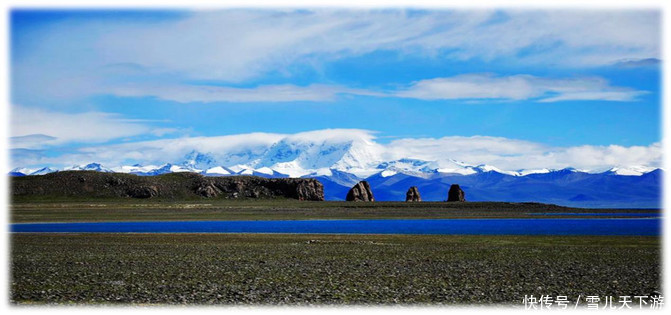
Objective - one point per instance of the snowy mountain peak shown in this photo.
(198, 160)
(218, 170)
(412, 167)
(484, 168)
(22, 171)
(265, 170)
(135, 169)
(533, 171)
(44, 170)
(89, 167)
(304, 153)
(631, 171)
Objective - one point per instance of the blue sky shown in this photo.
(558, 78)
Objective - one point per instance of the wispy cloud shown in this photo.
(79, 57)
(186, 93)
(517, 87)
(637, 63)
(36, 128)
(461, 87)
(240, 148)
(248, 42)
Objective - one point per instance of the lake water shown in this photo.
(571, 226)
(600, 214)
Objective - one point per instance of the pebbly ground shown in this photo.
(325, 269)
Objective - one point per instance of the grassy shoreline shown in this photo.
(133, 210)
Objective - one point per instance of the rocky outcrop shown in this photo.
(91, 184)
(143, 192)
(310, 190)
(413, 195)
(360, 192)
(208, 190)
(456, 194)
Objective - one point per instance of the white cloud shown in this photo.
(36, 128)
(207, 93)
(517, 87)
(237, 148)
(467, 86)
(247, 42)
(357, 149)
(77, 58)
(512, 154)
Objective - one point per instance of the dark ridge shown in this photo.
(92, 184)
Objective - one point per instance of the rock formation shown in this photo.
(456, 194)
(360, 192)
(310, 190)
(413, 195)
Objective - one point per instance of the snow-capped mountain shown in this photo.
(168, 168)
(631, 171)
(198, 160)
(411, 167)
(134, 169)
(303, 154)
(218, 171)
(314, 153)
(22, 171)
(340, 159)
(89, 167)
(44, 170)
(407, 166)
(426, 169)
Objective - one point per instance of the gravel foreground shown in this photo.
(272, 269)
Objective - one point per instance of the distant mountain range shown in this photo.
(340, 162)
(567, 187)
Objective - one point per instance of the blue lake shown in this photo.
(571, 226)
(600, 214)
